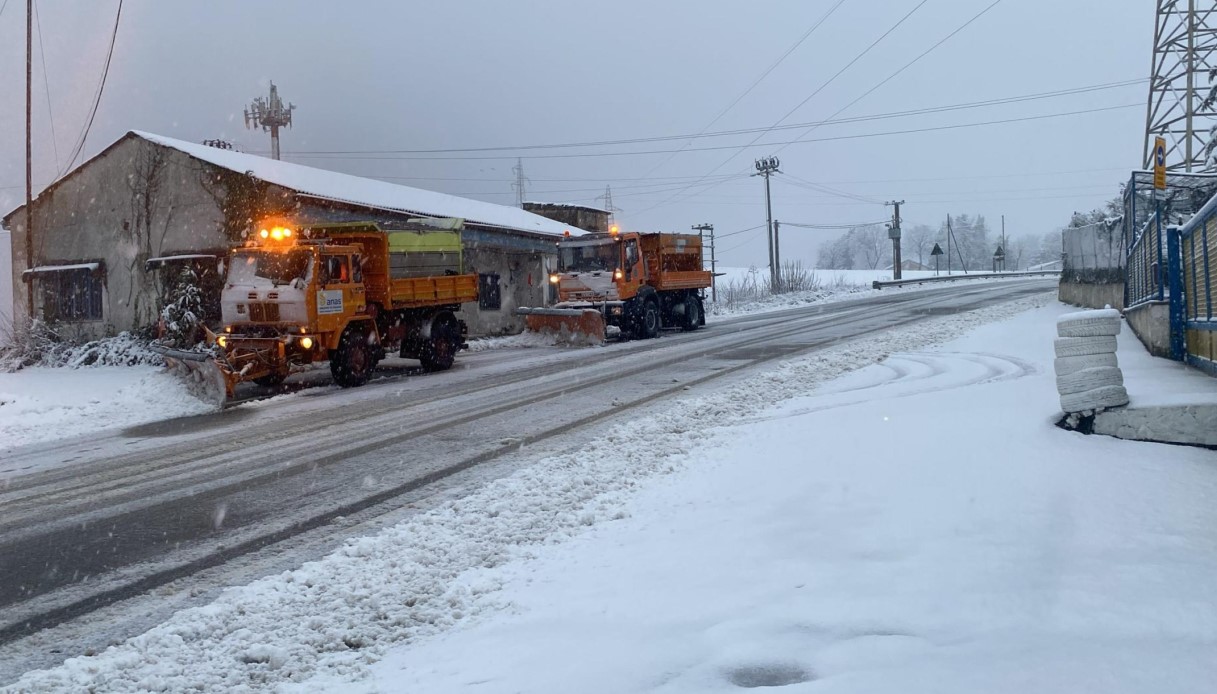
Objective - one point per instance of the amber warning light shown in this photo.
(276, 233)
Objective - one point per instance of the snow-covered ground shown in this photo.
(917, 525)
(739, 289)
(44, 404)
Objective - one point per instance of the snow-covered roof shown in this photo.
(44, 269)
(367, 192)
(593, 208)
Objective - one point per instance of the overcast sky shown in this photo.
(373, 77)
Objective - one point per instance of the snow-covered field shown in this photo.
(917, 525)
(44, 404)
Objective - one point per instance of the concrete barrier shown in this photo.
(1092, 295)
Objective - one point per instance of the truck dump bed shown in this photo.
(675, 261)
(410, 269)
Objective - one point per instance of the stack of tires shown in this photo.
(1088, 377)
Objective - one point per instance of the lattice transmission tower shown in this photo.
(1182, 86)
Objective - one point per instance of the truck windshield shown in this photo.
(589, 257)
(270, 268)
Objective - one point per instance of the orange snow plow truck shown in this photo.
(342, 293)
(638, 282)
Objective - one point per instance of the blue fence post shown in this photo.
(1174, 274)
(1158, 247)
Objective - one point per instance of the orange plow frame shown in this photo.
(569, 325)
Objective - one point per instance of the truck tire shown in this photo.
(1067, 365)
(1097, 399)
(692, 318)
(648, 323)
(1084, 346)
(352, 363)
(439, 351)
(1089, 379)
(1089, 327)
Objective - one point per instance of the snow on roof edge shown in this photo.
(366, 192)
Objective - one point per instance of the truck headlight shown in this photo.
(617, 274)
(222, 341)
(306, 342)
(553, 279)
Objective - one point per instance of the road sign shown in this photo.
(999, 253)
(937, 250)
(1159, 163)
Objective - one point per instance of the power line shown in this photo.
(829, 81)
(906, 66)
(889, 78)
(998, 101)
(45, 83)
(723, 147)
(80, 144)
(758, 80)
(833, 226)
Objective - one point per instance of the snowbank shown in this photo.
(916, 526)
(330, 620)
(42, 404)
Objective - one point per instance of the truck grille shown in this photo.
(264, 313)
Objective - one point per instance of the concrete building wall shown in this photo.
(6, 288)
(133, 202)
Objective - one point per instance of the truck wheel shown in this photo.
(649, 326)
(692, 313)
(439, 351)
(352, 363)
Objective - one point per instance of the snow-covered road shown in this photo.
(163, 501)
(917, 524)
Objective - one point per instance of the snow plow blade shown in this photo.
(207, 378)
(576, 326)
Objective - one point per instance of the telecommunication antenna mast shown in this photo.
(269, 113)
(1181, 93)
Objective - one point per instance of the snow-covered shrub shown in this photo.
(183, 311)
(47, 344)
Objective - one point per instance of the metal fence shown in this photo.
(1193, 254)
(1147, 212)
(1144, 279)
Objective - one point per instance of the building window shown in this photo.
(70, 295)
(489, 296)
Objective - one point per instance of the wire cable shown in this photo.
(758, 80)
(46, 83)
(80, 144)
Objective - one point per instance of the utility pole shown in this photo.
(29, 153)
(893, 232)
(701, 230)
(767, 167)
(269, 113)
(948, 245)
(521, 179)
(1005, 248)
(777, 256)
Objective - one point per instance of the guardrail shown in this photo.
(880, 284)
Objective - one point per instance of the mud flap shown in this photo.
(205, 377)
(575, 326)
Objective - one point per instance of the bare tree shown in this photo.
(837, 254)
(870, 241)
(919, 240)
(152, 209)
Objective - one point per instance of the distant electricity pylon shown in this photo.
(608, 203)
(521, 180)
(269, 113)
(1181, 91)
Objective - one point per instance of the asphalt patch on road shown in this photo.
(182, 425)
